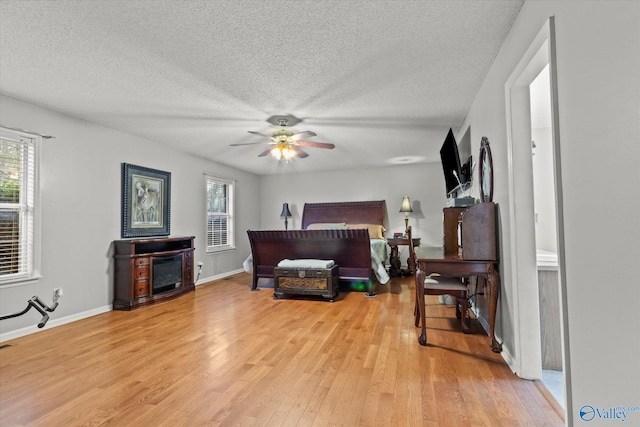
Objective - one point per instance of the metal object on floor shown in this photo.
(42, 308)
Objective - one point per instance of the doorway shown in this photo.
(537, 244)
(546, 236)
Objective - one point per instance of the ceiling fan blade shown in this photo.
(299, 152)
(316, 144)
(301, 135)
(265, 153)
(251, 143)
(260, 133)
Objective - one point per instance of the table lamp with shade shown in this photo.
(406, 208)
(286, 213)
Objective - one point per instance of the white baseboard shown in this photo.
(508, 357)
(505, 353)
(218, 276)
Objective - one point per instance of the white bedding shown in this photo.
(378, 255)
(306, 263)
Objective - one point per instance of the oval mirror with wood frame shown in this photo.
(486, 171)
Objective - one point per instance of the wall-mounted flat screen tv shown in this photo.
(450, 162)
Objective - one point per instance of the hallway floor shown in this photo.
(553, 381)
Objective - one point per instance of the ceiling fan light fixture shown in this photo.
(283, 152)
(285, 144)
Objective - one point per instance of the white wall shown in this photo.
(80, 200)
(598, 69)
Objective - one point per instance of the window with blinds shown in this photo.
(17, 205)
(220, 207)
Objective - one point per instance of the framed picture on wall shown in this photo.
(146, 201)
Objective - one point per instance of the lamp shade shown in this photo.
(286, 213)
(406, 205)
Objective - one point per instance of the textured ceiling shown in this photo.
(379, 79)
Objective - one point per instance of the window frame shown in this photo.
(29, 204)
(229, 214)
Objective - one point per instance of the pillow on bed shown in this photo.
(376, 231)
(327, 226)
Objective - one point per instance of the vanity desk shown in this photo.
(474, 228)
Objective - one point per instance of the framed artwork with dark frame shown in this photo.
(146, 201)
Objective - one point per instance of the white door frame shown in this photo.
(522, 257)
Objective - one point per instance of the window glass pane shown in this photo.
(10, 171)
(218, 230)
(217, 200)
(9, 242)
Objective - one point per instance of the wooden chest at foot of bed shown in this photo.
(306, 281)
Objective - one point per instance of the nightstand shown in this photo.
(394, 260)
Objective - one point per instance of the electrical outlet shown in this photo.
(57, 293)
(200, 264)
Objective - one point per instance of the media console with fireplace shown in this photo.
(152, 270)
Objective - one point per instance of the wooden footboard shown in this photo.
(350, 249)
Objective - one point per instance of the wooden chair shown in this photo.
(436, 285)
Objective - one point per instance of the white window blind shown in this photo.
(17, 205)
(220, 207)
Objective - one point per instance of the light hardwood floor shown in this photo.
(227, 356)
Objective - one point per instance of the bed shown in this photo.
(350, 233)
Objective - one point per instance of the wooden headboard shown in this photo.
(369, 212)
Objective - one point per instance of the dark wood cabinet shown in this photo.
(152, 270)
(450, 236)
(470, 232)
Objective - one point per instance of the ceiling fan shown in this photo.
(285, 144)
